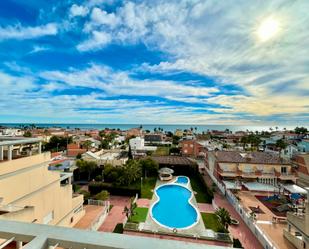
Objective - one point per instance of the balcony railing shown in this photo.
(298, 221)
(44, 236)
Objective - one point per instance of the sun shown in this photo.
(268, 29)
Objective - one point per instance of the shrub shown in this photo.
(97, 187)
(98, 178)
(102, 196)
(118, 228)
(86, 195)
(237, 243)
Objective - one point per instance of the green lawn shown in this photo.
(211, 221)
(162, 151)
(140, 215)
(147, 187)
(203, 193)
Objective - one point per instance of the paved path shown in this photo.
(205, 208)
(116, 214)
(143, 202)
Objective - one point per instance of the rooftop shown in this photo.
(252, 157)
(42, 236)
(172, 160)
(6, 141)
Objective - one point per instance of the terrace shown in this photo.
(16, 147)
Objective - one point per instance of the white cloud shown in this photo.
(218, 40)
(37, 49)
(101, 17)
(98, 40)
(120, 83)
(21, 33)
(77, 10)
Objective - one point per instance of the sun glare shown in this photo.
(268, 29)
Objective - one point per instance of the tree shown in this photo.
(87, 144)
(176, 139)
(281, 145)
(102, 196)
(244, 141)
(27, 134)
(130, 173)
(301, 130)
(224, 217)
(58, 142)
(129, 211)
(174, 151)
(148, 166)
(86, 166)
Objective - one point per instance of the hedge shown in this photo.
(97, 187)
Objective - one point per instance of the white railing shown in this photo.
(259, 234)
(98, 221)
(98, 202)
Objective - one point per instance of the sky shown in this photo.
(155, 62)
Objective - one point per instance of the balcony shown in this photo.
(297, 241)
(227, 173)
(286, 176)
(297, 221)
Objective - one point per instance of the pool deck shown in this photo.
(197, 230)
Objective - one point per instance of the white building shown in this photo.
(137, 143)
(10, 132)
(138, 147)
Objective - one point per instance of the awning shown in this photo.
(294, 189)
(166, 171)
(232, 185)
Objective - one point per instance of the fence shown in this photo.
(248, 219)
(259, 234)
(98, 221)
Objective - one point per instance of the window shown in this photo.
(191, 145)
(283, 170)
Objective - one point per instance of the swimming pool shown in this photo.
(182, 180)
(173, 208)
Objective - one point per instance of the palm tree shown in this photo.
(244, 141)
(129, 211)
(224, 217)
(131, 172)
(87, 144)
(281, 145)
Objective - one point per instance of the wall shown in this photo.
(35, 186)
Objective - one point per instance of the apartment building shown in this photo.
(297, 231)
(29, 192)
(192, 148)
(301, 163)
(263, 167)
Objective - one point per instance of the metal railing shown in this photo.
(37, 236)
(98, 221)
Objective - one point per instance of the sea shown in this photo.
(151, 127)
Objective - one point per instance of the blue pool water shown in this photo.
(182, 180)
(173, 209)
